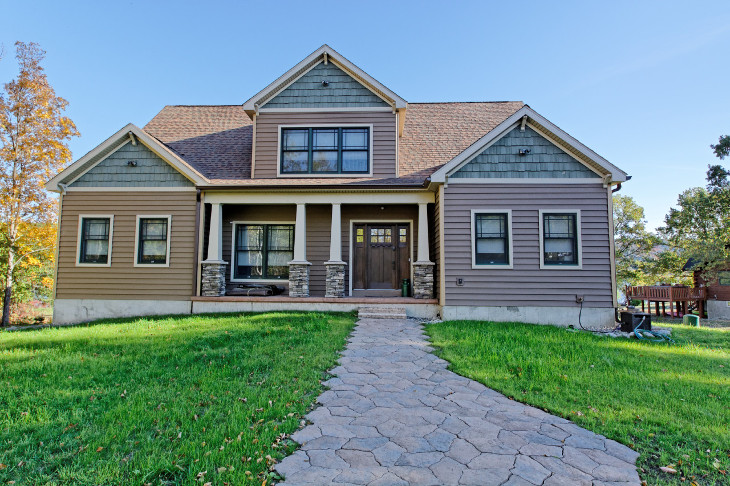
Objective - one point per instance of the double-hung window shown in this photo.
(262, 251)
(95, 238)
(491, 239)
(325, 150)
(560, 239)
(153, 240)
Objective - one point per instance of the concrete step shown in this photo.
(375, 312)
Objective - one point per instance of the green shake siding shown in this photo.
(544, 161)
(116, 170)
(342, 91)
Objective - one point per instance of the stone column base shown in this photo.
(423, 280)
(213, 279)
(335, 279)
(299, 279)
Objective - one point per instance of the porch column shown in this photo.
(213, 274)
(423, 267)
(335, 286)
(299, 267)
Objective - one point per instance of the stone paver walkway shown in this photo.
(394, 415)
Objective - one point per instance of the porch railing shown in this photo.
(666, 293)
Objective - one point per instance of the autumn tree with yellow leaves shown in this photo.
(34, 137)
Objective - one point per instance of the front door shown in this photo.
(381, 257)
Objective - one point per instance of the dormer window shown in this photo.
(325, 150)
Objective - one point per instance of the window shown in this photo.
(325, 150)
(95, 236)
(263, 251)
(723, 279)
(153, 240)
(491, 239)
(560, 239)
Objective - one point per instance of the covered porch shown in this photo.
(316, 247)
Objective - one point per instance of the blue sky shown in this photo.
(645, 84)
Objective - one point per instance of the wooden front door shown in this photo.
(381, 256)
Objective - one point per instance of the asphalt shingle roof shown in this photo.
(216, 140)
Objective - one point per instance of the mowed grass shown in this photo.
(173, 400)
(671, 403)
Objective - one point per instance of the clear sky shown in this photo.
(644, 84)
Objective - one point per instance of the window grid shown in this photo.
(491, 238)
(267, 255)
(560, 239)
(316, 165)
(94, 241)
(152, 241)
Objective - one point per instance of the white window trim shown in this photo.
(578, 229)
(137, 235)
(369, 126)
(78, 240)
(233, 254)
(484, 266)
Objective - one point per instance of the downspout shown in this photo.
(618, 188)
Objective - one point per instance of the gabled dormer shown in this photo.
(326, 118)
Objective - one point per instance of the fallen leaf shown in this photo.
(99, 449)
(668, 470)
(221, 470)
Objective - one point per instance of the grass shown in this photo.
(172, 400)
(671, 403)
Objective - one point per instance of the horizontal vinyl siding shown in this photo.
(526, 284)
(267, 138)
(122, 280)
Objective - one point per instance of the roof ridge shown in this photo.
(196, 106)
(455, 102)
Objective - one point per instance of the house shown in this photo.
(717, 288)
(328, 186)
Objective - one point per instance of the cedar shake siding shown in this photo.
(383, 136)
(526, 284)
(122, 280)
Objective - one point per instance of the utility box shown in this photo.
(633, 320)
(691, 320)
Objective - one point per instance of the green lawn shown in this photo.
(669, 402)
(173, 400)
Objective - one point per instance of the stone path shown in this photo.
(394, 415)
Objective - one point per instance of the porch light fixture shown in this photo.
(132, 163)
(524, 152)
(325, 83)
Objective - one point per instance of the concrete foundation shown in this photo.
(718, 310)
(423, 311)
(557, 316)
(71, 311)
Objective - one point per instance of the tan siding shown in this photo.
(122, 280)
(435, 244)
(319, 220)
(267, 137)
(526, 284)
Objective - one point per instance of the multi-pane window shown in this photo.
(723, 278)
(560, 239)
(491, 239)
(94, 240)
(263, 251)
(325, 150)
(153, 241)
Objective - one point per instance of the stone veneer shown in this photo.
(299, 279)
(213, 283)
(423, 280)
(335, 286)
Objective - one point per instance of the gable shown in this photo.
(545, 160)
(342, 91)
(116, 171)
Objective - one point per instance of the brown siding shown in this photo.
(267, 137)
(715, 291)
(122, 280)
(526, 284)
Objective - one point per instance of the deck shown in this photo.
(680, 299)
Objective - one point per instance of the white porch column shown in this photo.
(423, 242)
(215, 237)
(336, 235)
(300, 235)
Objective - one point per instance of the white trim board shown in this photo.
(578, 231)
(151, 143)
(519, 180)
(233, 256)
(82, 217)
(310, 175)
(360, 198)
(509, 264)
(441, 175)
(136, 241)
(376, 221)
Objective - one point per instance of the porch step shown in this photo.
(375, 312)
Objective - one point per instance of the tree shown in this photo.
(34, 137)
(633, 242)
(700, 227)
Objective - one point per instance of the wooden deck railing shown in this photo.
(666, 293)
